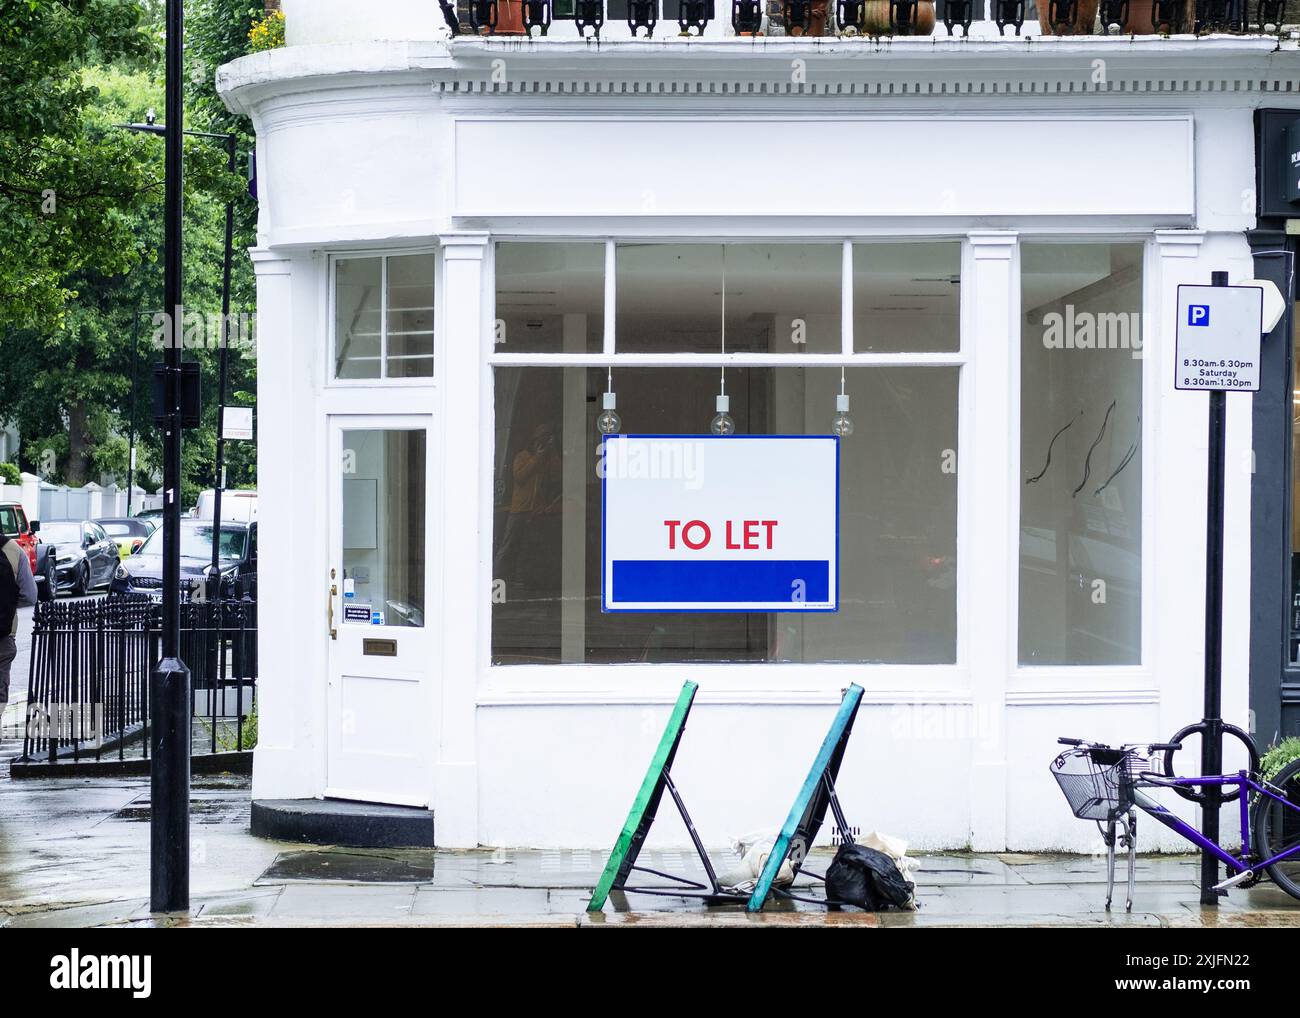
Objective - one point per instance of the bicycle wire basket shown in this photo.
(1090, 780)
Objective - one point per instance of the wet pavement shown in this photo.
(74, 852)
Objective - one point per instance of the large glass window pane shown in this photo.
(898, 515)
(907, 297)
(358, 339)
(409, 340)
(1081, 454)
(775, 298)
(550, 298)
(383, 522)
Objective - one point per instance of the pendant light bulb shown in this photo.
(609, 422)
(723, 423)
(843, 423)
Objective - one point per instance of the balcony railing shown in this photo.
(867, 18)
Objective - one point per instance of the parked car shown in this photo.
(84, 555)
(236, 553)
(129, 533)
(15, 526)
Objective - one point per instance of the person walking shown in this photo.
(17, 587)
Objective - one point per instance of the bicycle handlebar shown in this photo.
(1153, 747)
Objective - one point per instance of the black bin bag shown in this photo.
(866, 878)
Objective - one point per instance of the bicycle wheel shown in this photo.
(1277, 828)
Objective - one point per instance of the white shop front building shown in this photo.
(464, 244)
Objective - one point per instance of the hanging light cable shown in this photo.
(609, 422)
(843, 423)
(723, 423)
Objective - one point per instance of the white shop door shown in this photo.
(384, 674)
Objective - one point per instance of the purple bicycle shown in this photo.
(1105, 783)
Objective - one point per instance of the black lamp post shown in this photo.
(169, 685)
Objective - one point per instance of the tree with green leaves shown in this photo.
(68, 352)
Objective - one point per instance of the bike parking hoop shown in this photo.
(1190, 792)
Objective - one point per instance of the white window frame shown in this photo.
(383, 254)
(808, 682)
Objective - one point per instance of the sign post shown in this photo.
(1217, 349)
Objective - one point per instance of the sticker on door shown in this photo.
(357, 613)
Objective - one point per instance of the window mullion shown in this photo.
(383, 317)
(610, 297)
(846, 300)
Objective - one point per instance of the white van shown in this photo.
(236, 506)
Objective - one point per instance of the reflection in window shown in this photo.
(774, 298)
(383, 523)
(550, 298)
(1080, 454)
(1295, 494)
(358, 338)
(898, 515)
(907, 297)
(371, 344)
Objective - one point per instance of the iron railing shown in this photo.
(848, 17)
(88, 684)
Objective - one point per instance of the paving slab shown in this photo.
(75, 853)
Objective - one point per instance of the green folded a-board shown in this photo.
(642, 814)
(809, 809)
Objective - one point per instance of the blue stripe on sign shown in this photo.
(640, 580)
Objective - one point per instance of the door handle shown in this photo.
(334, 589)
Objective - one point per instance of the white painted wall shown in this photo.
(381, 146)
(310, 22)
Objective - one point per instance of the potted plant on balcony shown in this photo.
(1067, 17)
(509, 17)
(898, 17)
(1147, 17)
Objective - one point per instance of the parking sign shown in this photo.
(1217, 338)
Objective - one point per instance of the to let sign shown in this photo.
(1218, 337)
(739, 523)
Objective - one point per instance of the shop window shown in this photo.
(550, 298)
(1294, 614)
(757, 298)
(383, 317)
(898, 515)
(907, 297)
(1081, 454)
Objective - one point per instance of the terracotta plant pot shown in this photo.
(819, 9)
(510, 18)
(1085, 19)
(1138, 21)
(875, 19)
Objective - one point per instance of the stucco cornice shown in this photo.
(1246, 67)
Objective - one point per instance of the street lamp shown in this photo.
(150, 127)
(169, 685)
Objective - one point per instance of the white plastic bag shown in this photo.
(753, 850)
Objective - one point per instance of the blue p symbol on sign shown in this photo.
(1198, 314)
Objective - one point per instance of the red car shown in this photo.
(15, 526)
